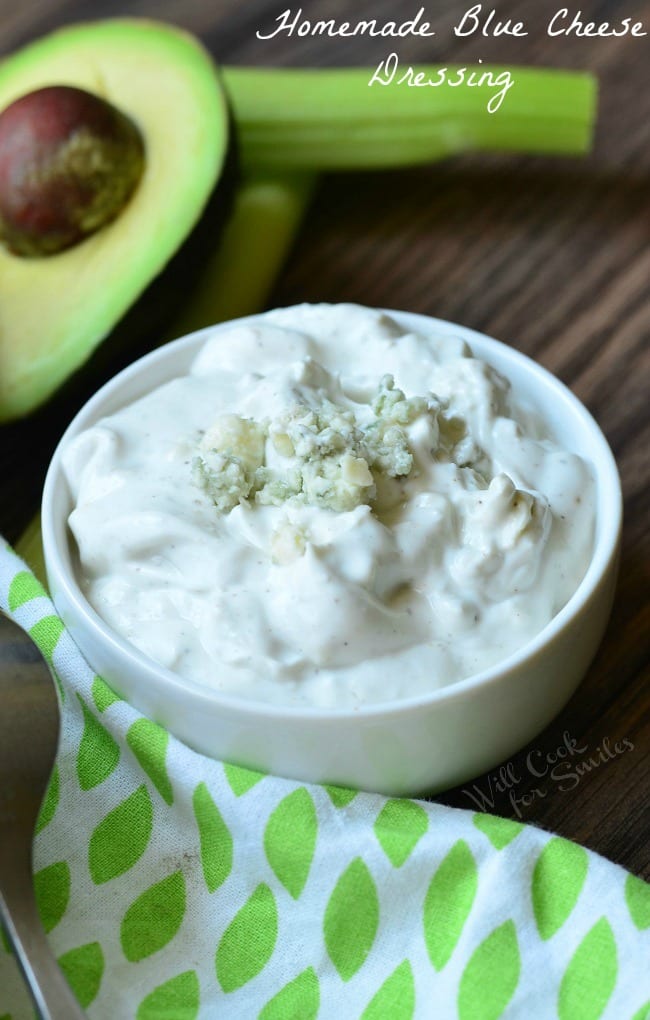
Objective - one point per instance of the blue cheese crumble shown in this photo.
(327, 457)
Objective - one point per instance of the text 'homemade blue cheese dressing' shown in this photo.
(328, 510)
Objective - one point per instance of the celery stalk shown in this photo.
(30, 547)
(238, 279)
(331, 119)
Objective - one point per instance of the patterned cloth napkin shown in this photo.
(175, 887)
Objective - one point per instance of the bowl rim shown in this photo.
(609, 505)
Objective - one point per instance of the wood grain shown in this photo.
(552, 256)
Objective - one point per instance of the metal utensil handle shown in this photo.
(51, 993)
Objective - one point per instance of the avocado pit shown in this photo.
(69, 163)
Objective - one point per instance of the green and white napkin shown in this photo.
(175, 887)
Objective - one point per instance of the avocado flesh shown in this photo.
(55, 310)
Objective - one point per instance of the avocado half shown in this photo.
(55, 310)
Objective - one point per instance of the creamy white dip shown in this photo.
(327, 510)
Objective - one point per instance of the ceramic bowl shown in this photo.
(420, 744)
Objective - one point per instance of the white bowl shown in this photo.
(415, 745)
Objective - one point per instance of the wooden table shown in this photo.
(551, 256)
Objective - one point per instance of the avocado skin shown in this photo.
(27, 445)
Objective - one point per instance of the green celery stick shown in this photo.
(239, 277)
(30, 547)
(331, 119)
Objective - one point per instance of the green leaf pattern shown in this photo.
(290, 840)
(351, 919)
(52, 890)
(121, 837)
(46, 634)
(298, 1000)
(490, 978)
(215, 841)
(340, 796)
(154, 918)
(241, 780)
(103, 695)
(148, 741)
(448, 902)
(591, 975)
(176, 999)
(395, 998)
(310, 902)
(83, 969)
(98, 752)
(248, 941)
(558, 878)
(23, 588)
(399, 827)
(500, 831)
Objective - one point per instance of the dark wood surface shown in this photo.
(551, 256)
